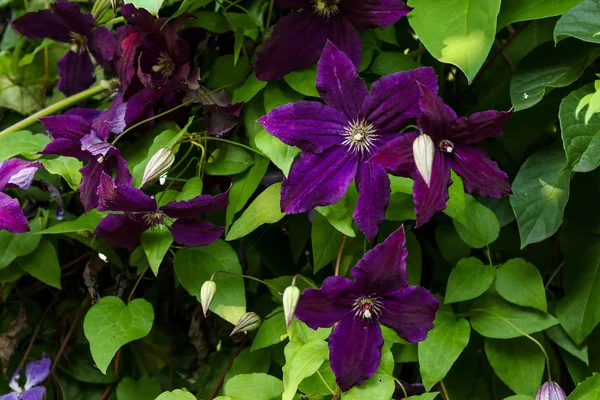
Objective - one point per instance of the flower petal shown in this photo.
(17, 173)
(309, 125)
(410, 312)
(90, 179)
(122, 198)
(10, 396)
(374, 192)
(431, 199)
(383, 268)
(321, 308)
(338, 82)
(478, 126)
(76, 72)
(396, 156)
(66, 147)
(369, 14)
(70, 13)
(195, 207)
(12, 218)
(36, 393)
(95, 146)
(121, 230)
(37, 372)
(318, 180)
(436, 116)
(355, 351)
(103, 45)
(67, 126)
(345, 36)
(194, 233)
(42, 24)
(393, 99)
(479, 173)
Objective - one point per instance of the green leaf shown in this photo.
(243, 186)
(521, 283)
(277, 94)
(28, 58)
(228, 159)
(389, 62)
(144, 388)
(525, 10)
(456, 207)
(304, 81)
(444, 343)
(251, 87)
(211, 21)
(588, 390)
(518, 362)
(548, 67)
(151, 5)
(581, 140)
(67, 167)
(541, 191)
(84, 223)
(459, 32)
(156, 243)
(468, 280)
(110, 324)
(194, 266)
(271, 331)
(450, 244)
(263, 210)
(177, 394)
(496, 318)
(22, 143)
(224, 73)
(187, 6)
(482, 226)
(578, 22)
(15, 245)
(301, 361)
(253, 387)
(380, 386)
(326, 242)
(191, 189)
(237, 47)
(248, 362)
(559, 336)
(424, 396)
(280, 153)
(339, 214)
(42, 264)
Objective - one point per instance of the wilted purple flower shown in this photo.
(338, 137)
(64, 22)
(550, 391)
(451, 147)
(36, 372)
(380, 293)
(142, 213)
(15, 173)
(299, 37)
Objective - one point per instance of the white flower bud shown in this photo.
(550, 391)
(248, 322)
(423, 153)
(207, 294)
(291, 295)
(160, 163)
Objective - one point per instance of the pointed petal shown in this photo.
(308, 125)
(478, 126)
(193, 233)
(76, 72)
(436, 116)
(42, 24)
(112, 120)
(480, 174)
(346, 38)
(36, 393)
(431, 199)
(10, 396)
(95, 146)
(383, 268)
(66, 147)
(103, 45)
(393, 99)
(89, 114)
(410, 312)
(396, 156)
(70, 13)
(369, 14)
(122, 198)
(321, 308)
(14, 380)
(37, 372)
(318, 180)
(121, 230)
(197, 206)
(17, 173)
(122, 174)
(130, 38)
(12, 218)
(139, 16)
(338, 82)
(374, 192)
(355, 351)
(67, 126)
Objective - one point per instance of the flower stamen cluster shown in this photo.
(326, 8)
(366, 307)
(79, 43)
(360, 136)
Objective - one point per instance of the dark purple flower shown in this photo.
(15, 173)
(142, 213)
(64, 22)
(336, 138)
(299, 37)
(36, 372)
(451, 140)
(380, 293)
(550, 391)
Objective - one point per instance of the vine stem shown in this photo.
(54, 108)
(269, 14)
(37, 331)
(444, 390)
(219, 384)
(339, 256)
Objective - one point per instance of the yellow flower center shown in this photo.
(326, 8)
(78, 42)
(164, 65)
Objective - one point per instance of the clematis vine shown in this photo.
(141, 212)
(36, 373)
(338, 137)
(15, 173)
(379, 293)
(64, 22)
(299, 37)
(445, 143)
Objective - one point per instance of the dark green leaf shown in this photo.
(521, 283)
(42, 264)
(468, 280)
(524, 10)
(326, 241)
(482, 226)
(228, 160)
(580, 22)
(389, 62)
(303, 81)
(156, 243)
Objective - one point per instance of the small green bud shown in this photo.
(207, 294)
(291, 295)
(248, 322)
(158, 165)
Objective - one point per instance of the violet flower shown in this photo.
(15, 173)
(64, 22)
(142, 213)
(36, 372)
(380, 293)
(550, 391)
(451, 141)
(299, 37)
(338, 137)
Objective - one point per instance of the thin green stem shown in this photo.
(116, 20)
(402, 387)
(247, 277)
(269, 14)
(554, 275)
(325, 383)
(234, 144)
(489, 255)
(136, 285)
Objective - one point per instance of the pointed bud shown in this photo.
(291, 295)
(423, 153)
(550, 391)
(248, 322)
(207, 294)
(160, 163)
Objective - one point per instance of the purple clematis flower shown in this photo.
(299, 37)
(142, 213)
(36, 372)
(15, 173)
(380, 293)
(451, 141)
(338, 137)
(64, 22)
